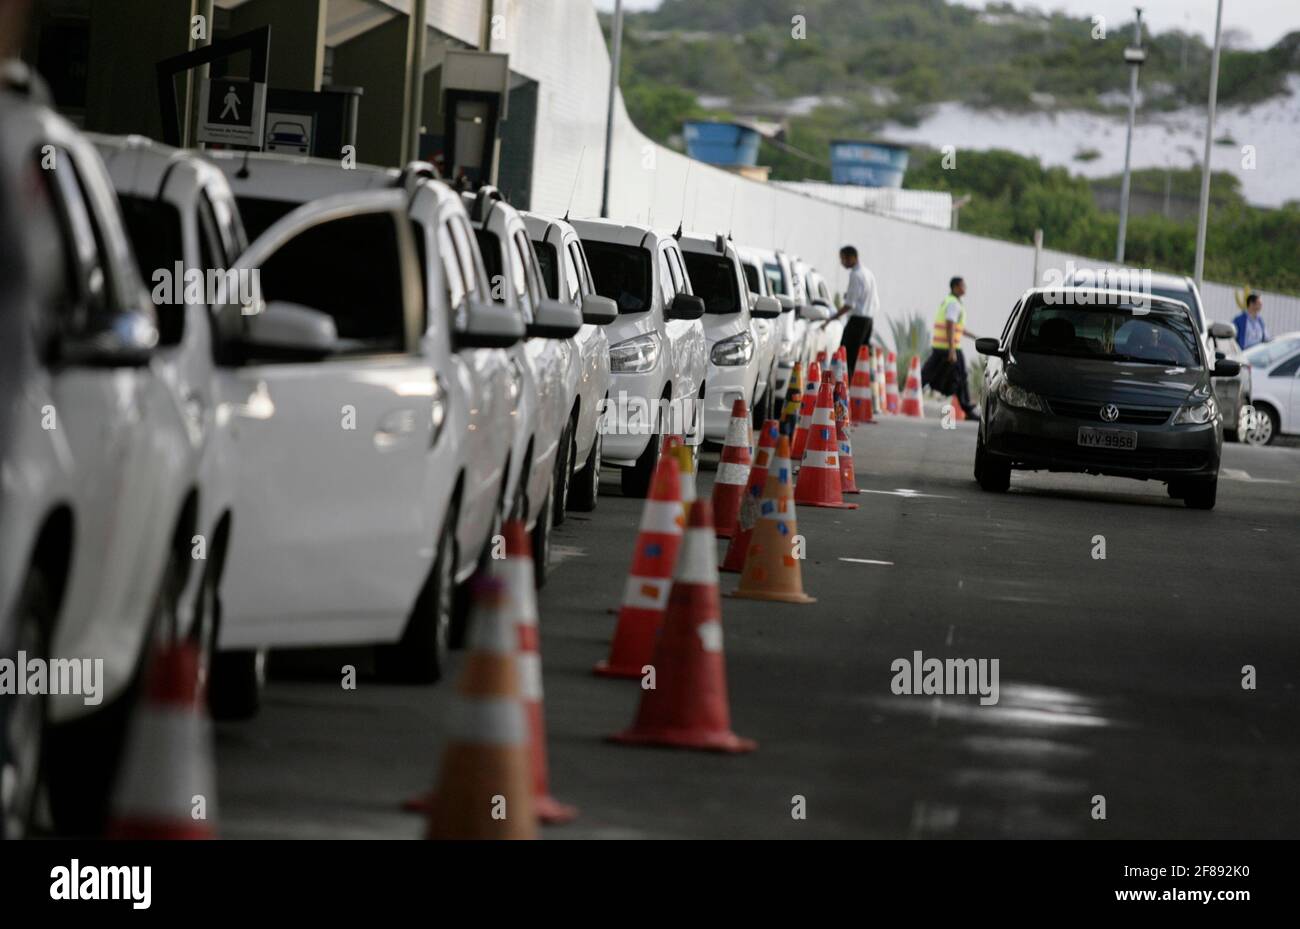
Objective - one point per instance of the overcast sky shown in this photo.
(1264, 21)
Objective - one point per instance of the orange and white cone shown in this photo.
(838, 368)
(806, 410)
(735, 557)
(485, 781)
(848, 480)
(676, 446)
(891, 382)
(912, 404)
(860, 390)
(733, 472)
(819, 475)
(958, 414)
(793, 395)
(167, 786)
(688, 705)
(772, 571)
(516, 572)
(646, 595)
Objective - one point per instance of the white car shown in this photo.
(791, 329)
(658, 353)
(736, 359)
(542, 361)
(467, 338)
(826, 333)
(586, 381)
(1275, 388)
(99, 474)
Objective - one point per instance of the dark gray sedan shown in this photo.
(1102, 382)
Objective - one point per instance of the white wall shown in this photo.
(559, 44)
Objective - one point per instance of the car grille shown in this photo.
(1129, 415)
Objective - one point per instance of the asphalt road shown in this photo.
(1119, 678)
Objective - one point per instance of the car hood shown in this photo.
(630, 325)
(1105, 381)
(719, 326)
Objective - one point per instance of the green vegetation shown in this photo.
(865, 63)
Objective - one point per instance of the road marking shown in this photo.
(905, 492)
(948, 641)
(1237, 474)
(563, 553)
(866, 561)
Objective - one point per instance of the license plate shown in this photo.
(1121, 439)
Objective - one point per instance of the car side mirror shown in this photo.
(1222, 331)
(1225, 368)
(123, 340)
(598, 310)
(490, 324)
(685, 306)
(787, 303)
(814, 312)
(765, 308)
(289, 332)
(988, 347)
(555, 320)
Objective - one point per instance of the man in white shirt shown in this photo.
(861, 300)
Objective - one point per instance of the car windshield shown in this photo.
(713, 277)
(775, 279)
(1159, 334)
(154, 228)
(259, 213)
(622, 273)
(1264, 354)
(547, 261)
(752, 280)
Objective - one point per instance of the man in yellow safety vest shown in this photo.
(945, 369)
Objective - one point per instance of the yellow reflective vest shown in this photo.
(940, 337)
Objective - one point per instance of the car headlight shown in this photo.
(1197, 413)
(634, 356)
(737, 350)
(1018, 397)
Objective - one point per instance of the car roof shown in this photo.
(539, 226)
(606, 230)
(139, 166)
(297, 178)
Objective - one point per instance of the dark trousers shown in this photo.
(856, 331)
(946, 378)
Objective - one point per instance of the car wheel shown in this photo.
(635, 481)
(420, 656)
(22, 720)
(564, 463)
(994, 476)
(542, 541)
(1176, 489)
(1266, 426)
(586, 483)
(1200, 494)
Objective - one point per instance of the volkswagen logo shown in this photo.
(1109, 413)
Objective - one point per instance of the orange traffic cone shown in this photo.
(793, 391)
(822, 361)
(819, 475)
(891, 382)
(878, 378)
(958, 414)
(860, 390)
(167, 788)
(838, 367)
(646, 594)
(733, 472)
(771, 569)
(912, 405)
(688, 706)
(848, 480)
(806, 410)
(485, 785)
(735, 559)
(516, 572)
(676, 447)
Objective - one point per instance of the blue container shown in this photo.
(726, 144)
(868, 164)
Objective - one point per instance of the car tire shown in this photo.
(565, 460)
(1267, 425)
(1177, 490)
(585, 492)
(1200, 494)
(994, 476)
(236, 683)
(541, 539)
(420, 656)
(635, 481)
(23, 732)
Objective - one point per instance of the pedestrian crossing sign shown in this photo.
(232, 111)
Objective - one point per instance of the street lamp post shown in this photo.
(616, 44)
(1204, 216)
(1134, 55)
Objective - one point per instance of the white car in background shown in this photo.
(542, 362)
(467, 339)
(791, 329)
(826, 333)
(739, 368)
(658, 353)
(100, 474)
(567, 278)
(770, 332)
(1275, 388)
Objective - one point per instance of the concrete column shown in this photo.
(297, 38)
(125, 44)
(373, 60)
